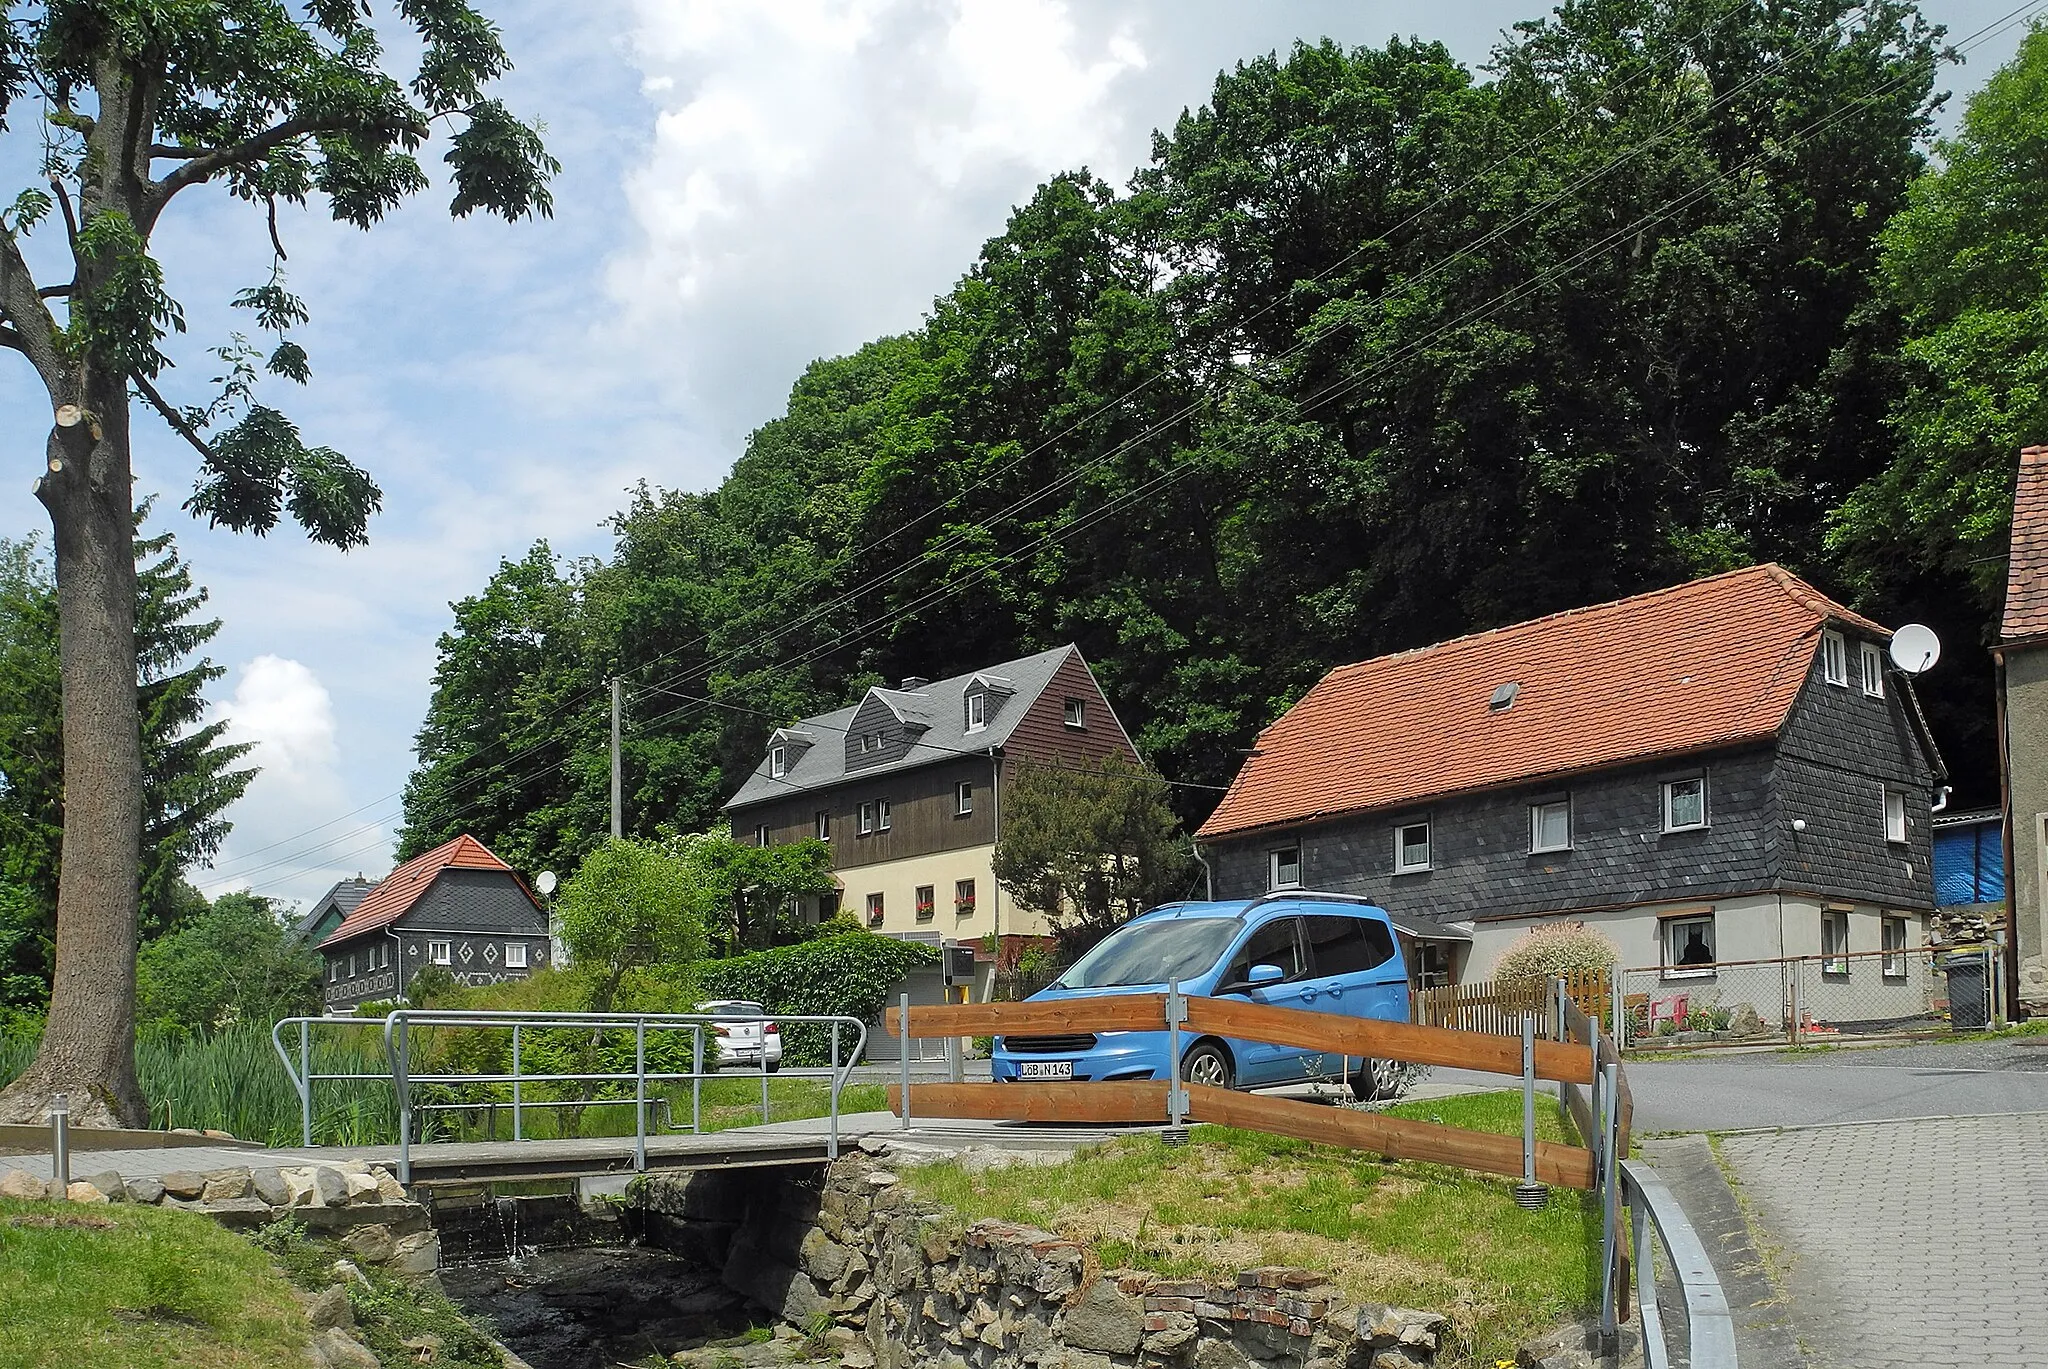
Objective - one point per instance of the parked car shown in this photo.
(1319, 952)
(748, 1037)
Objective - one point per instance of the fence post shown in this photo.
(903, 1052)
(517, 1135)
(305, 1084)
(1610, 1200)
(832, 1113)
(696, 1078)
(1176, 1093)
(640, 1094)
(60, 1139)
(403, 1065)
(1798, 972)
(1619, 993)
(1528, 1193)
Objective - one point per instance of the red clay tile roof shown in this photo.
(1713, 663)
(399, 890)
(2026, 569)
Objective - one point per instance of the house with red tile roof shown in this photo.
(1726, 770)
(2022, 657)
(457, 906)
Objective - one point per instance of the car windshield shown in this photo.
(1153, 953)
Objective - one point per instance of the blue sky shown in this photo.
(746, 187)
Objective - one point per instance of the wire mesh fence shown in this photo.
(1796, 1000)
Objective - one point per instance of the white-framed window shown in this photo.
(351, 964)
(1077, 714)
(1550, 825)
(778, 761)
(1834, 941)
(867, 817)
(760, 834)
(963, 897)
(874, 910)
(1688, 946)
(333, 972)
(822, 824)
(1834, 658)
(1286, 871)
(515, 955)
(870, 741)
(1411, 847)
(1873, 669)
(1893, 962)
(440, 953)
(963, 798)
(977, 710)
(926, 898)
(1895, 815)
(1685, 804)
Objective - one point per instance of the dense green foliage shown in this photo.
(749, 896)
(848, 975)
(1552, 949)
(629, 907)
(189, 775)
(1371, 352)
(1090, 848)
(231, 962)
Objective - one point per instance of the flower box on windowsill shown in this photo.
(874, 919)
(963, 907)
(924, 912)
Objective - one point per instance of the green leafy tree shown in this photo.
(752, 894)
(136, 103)
(631, 906)
(1088, 849)
(232, 962)
(1966, 267)
(189, 777)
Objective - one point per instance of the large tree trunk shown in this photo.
(88, 1047)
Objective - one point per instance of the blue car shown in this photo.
(1318, 952)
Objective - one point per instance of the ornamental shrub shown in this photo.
(852, 973)
(1553, 949)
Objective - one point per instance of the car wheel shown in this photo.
(774, 1066)
(1209, 1065)
(1376, 1081)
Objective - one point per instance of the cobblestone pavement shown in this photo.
(1904, 1244)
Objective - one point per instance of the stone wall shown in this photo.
(849, 1256)
(362, 1208)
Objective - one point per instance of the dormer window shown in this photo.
(977, 710)
(778, 761)
(1834, 658)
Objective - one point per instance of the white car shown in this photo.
(748, 1038)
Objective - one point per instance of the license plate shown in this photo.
(1045, 1069)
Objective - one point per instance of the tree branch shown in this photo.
(70, 217)
(57, 291)
(32, 331)
(165, 152)
(13, 341)
(203, 166)
(172, 416)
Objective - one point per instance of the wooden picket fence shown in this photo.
(1498, 1009)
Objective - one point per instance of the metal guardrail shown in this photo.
(1710, 1330)
(398, 1027)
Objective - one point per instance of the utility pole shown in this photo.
(618, 809)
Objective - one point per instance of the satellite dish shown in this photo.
(1915, 648)
(545, 882)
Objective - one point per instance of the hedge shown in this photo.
(850, 974)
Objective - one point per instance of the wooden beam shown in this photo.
(1056, 1016)
(1558, 1165)
(1119, 1101)
(1379, 1040)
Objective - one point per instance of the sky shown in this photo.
(746, 187)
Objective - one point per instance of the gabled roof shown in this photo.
(342, 898)
(936, 707)
(396, 893)
(1714, 663)
(2026, 569)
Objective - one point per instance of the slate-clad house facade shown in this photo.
(330, 909)
(1729, 768)
(2022, 657)
(457, 906)
(906, 787)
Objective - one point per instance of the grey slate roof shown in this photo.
(343, 898)
(937, 705)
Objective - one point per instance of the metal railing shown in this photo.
(1710, 1330)
(398, 1030)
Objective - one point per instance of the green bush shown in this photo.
(1554, 949)
(850, 974)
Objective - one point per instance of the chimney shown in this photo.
(914, 682)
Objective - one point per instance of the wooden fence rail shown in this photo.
(1498, 1009)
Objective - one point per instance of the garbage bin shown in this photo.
(1969, 987)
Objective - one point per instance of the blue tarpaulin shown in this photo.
(1969, 863)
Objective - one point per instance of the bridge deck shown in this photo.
(579, 1157)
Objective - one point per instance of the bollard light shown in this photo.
(60, 1139)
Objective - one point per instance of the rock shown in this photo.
(388, 1187)
(419, 1253)
(82, 1192)
(246, 1213)
(821, 1257)
(225, 1184)
(334, 1348)
(145, 1190)
(109, 1183)
(1745, 1021)
(20, 1184)
(1574, 1345)
(269, 1185)
(370, 1244)
(345, 1272)
(329, 1188)
(359, 1186)
(1220, 1354)
(183, 1183)
(1383, 1327)
(882, 1178)
(1105, 1320)
(219, 1135)
(330, 1308)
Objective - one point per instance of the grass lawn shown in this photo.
(1421, 1235)
(139, 1287)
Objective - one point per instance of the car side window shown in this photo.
(1276, 943)
(1348, 945)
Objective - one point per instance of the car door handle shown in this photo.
(1308, 995)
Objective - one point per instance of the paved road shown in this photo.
(1906, 1245)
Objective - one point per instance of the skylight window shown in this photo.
(1503, 696)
